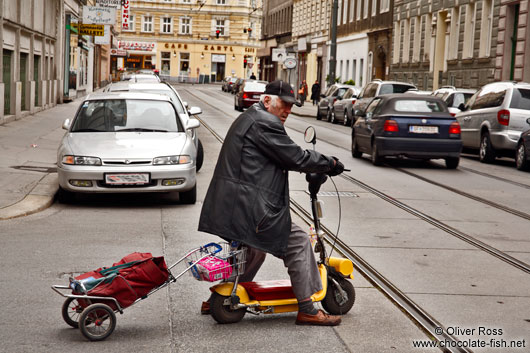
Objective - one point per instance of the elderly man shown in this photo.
(248, 197)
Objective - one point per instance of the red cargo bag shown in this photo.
(131, 278)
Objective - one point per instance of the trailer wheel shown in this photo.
(97, 322)
(222, 313)
(71, 311)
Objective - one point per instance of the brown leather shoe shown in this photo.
(205, 308)
(320, 319)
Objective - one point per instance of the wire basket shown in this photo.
(222, 263)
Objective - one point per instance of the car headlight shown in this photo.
(171, 160)
(81, 160)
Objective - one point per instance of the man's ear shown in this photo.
(267, 102)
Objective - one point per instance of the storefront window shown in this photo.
(166, 63)
(184, 63)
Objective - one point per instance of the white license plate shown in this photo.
(421, 129)
(256, 96)
(127, 178)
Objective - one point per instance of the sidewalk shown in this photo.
(308, 110)
(28, 177)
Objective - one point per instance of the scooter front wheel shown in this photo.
(338, 301)
(222, 312)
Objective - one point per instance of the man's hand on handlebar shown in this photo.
(337, 168)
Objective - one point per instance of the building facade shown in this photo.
(458, 43)
(310, 39)
(275, 34)
(189, 40)
(364, 30)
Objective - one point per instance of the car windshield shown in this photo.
(167, 92)
(390, 88)
(254, 87)
(417, 106)
(111, 115)
(520, 99)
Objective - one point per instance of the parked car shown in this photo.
(332, 94)
(408, 125)
(236, 85)
(227, 84)
(494, 118)
(342, 108)
(249, 93)
(522, 154)
(454, 97)
(181, 106)
(127, 142)
(378, 88)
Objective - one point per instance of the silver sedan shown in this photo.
(127, 142)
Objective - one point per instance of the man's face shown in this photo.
(281, 109)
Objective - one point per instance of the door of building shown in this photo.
(7, 80)
(23, 79)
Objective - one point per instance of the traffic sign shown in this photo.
(290, 63)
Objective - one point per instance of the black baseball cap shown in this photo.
(283, 90)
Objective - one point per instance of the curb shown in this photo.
(38, 199)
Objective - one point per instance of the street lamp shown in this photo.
(202, 55)
(233, 57)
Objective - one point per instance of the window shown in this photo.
(365, 9)
(185, 25)
(167, 24)
(344, 11)
(361, 73)
(147, 24)
(352, 8)
(339, 12)
(520, 99)
(166, 63)
(354, 71)
(397, 39)
(374, 7)
(186, 1)
(220, 25)
(220, 2)
(370, 64)
(406, 40)
(359, 3)
(427, 41)
(389, 88)
(370, 90)
(347, 72)
(416, 39)
(454, 33)
(488, 97)
(469, 31)
(131, 24)
(418, 106)
(385, 6)
(370, 110)
(184, 63)
(340, 71)
(486, 28)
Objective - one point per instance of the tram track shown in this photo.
(430, 326)
(421, 215)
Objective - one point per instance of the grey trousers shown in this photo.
(299, 260)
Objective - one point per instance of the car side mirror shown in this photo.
(322, 96)
(195, 111)
(358, 112)
(185, 104)
(462, 107)
(66, 124)
(528, 121)
(192, 124)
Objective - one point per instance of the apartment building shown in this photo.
(311, 25)
(460, 43)
(275, 35)
(364, 30)
(189, 40)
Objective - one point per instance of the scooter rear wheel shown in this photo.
(333, 302)
(222, 313)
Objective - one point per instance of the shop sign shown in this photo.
(217, 47)
(218, 58)
(99, 15)
(130, 45)
(278, 54)
(125, 15)
(109, 3)
(89, 30)
(105, 39)
(118, 52)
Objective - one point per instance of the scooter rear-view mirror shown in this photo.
(310, 135)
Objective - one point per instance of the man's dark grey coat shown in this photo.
(248, 197)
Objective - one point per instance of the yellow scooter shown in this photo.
(230, 301)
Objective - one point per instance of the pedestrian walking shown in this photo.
(302, 92)
(315, 93)
(248, 197)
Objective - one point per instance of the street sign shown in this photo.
(109, 3)
(278, 54)
(250, 65)
(90, 30)
(290, 63)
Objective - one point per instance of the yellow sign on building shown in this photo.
(90, 30)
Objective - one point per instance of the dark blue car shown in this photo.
(407, 125)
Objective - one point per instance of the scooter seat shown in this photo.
(269, 290)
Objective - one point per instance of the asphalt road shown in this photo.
(460, 285)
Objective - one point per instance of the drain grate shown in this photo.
(334, 193)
